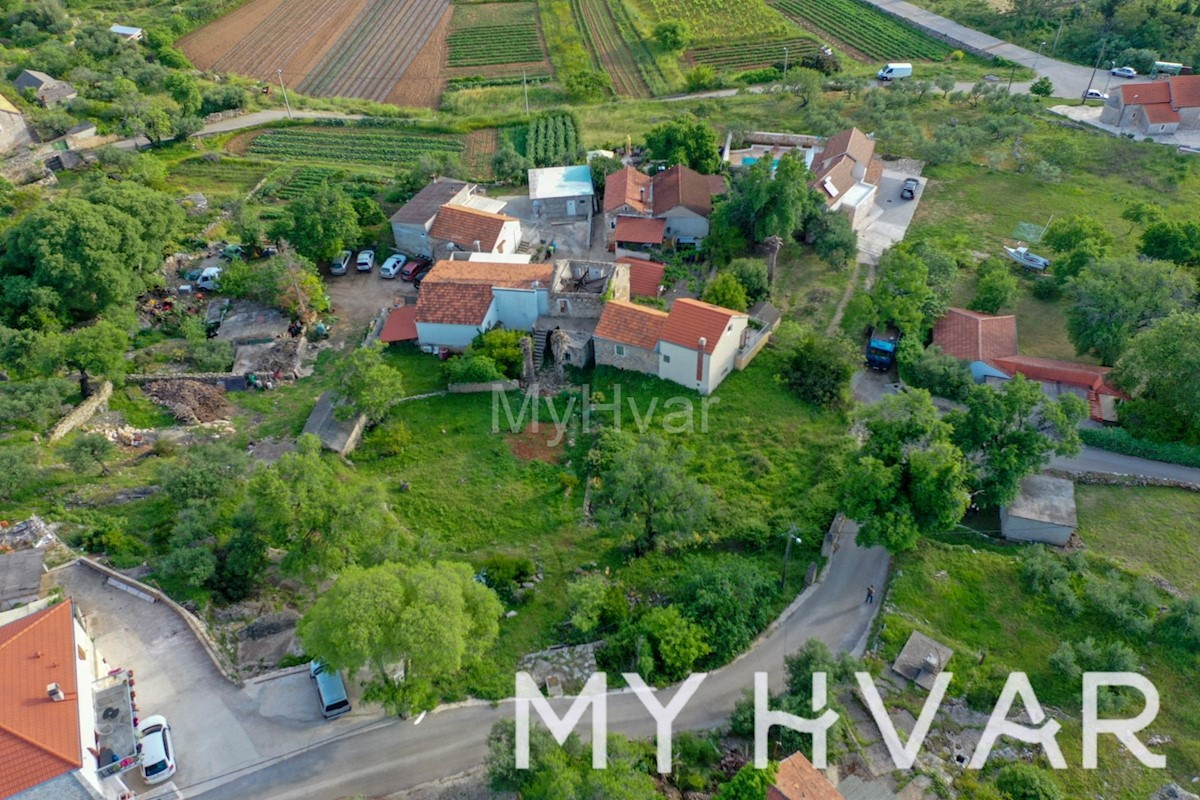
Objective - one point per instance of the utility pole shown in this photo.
(785, 60)
(1111, 66)
(1099, 58)
(525, 84)
(1011, 74)
(1054, 47)
(1039, 58)
(787, 553)
(286, 102)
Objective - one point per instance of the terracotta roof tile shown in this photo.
(460, 292)
(639, 230)
(628, 187)
(874, 171)
(717, 185)
(1185, 91)
(835, 180)
(682, 186)
(1160, 113)
(464, 226)
(425, 203)
(798, 779)
(1140, 94)
(690, 320)
(972, 336)
(39, 738)
(401, 325)
(631, 324)
(644, 276)
(850, 142)
(1068, 372)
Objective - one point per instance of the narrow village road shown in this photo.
(1093, 459)
(406, 754)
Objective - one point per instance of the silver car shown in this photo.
(340, 264)
(391, 267)
(366, 261)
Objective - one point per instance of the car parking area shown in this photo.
(217, 728)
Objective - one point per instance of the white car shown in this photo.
(1123, 72)
(391, 267)
(158, 756)
(210, 279)
(1095, 94)
(366, 260)
(339, 264)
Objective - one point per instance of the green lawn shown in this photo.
(806, 288)
(1150, 530)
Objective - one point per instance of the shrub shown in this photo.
(819, 368)
(1047, 290)
(597, 604)
(929, 368)
(1152, 420)
(1063, 661)
(471, 369)
(34, 404)
(505, 573)
(730, 597)
(997, 288)
(1027, 782)
(662, 646)
(1122, 441)
(1181, 625)
(751, 273)
(1042, 87)
(503, 347)
(1111, 597)
(1045, 573)
(762, 75)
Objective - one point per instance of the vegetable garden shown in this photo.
(748, 55)
(494, 33)
(553, 140)
(861, 27)
(379, 146)
(712, 21)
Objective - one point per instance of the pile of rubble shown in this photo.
(125, 435)
(283, 356)
(192, 402)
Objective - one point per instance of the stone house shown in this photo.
(1043, 511)
(847, 173)
(578, 296)
(672, 205)
(459, 227)
(48, 91)
(461, 299)
(695, 344)
(411, 224)
(1155, 107)
(13, 131)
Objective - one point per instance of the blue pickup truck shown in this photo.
(881, 348)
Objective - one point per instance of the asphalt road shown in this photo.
(1092, 459)
(401, 755)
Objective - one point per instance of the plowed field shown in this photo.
(348, 48)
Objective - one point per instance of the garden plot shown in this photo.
(864, 29)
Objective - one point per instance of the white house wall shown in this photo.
(518, 309)
(510, 238)
(678, 364)
(684, 223)
(720, 363)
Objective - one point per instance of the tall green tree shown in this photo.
(819, 368)
(908, 478)
(321, 223)
(726, 290)
(1011, 432)
(646, 493)
(1163, 365)
(902, 294)
(1116, 298)
(435, 619)
(997, 288)
(1078, 240)
(1172, 240)
(685, 140)
(370, 385)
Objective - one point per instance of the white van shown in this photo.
(894, 71)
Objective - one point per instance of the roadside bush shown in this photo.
(929, 368)
(762, 75)
(1027, 782)
(597, 604)
(730, 598)
(1122, 441)
(223, 98)
(1152, 420)
(662, 646)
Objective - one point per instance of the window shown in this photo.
(666, 359)
(564, 306)
(566, 356)
(620, 349)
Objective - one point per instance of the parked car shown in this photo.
(341, 263)
(366, 261)
(420, 273)
(1123, 72)
(158, 756)
(233, 251)
(331, 690)
(1095, 94)
(891, 72)
(414, 265)
(210, 279)
(392, 266)
(909, 190)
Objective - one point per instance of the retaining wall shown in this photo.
(487, 386)
(1114, 479)
(83, 412)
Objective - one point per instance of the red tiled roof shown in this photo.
(835, 180)
(39, 738)
(798, 779)
(1140, 94)
(460, 292)
(690, 320)
(1068, 372)
(628, 187)
(401, 325)
(972, 336)
(850, 142)
(630, 324)
(1160, 113)
(874, 171)
(1185, 91)
(639, 230)
(682, 186)
(644, 276)
(717, 185)
(464, 226)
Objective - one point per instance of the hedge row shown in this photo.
(1119, 440)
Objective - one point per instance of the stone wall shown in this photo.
(635, 358)
(486, 386)
(783, 139)
(1112, 479)
(202, 377)
(83, 412)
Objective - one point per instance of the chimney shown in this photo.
(55, 693)
(700, 360)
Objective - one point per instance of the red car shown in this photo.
(414, 267)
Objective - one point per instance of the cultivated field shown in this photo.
(749, 55)
(349, 48)
(863, 29)
(714, 21)
(604, 39)
(494, 33)
(374, 146)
